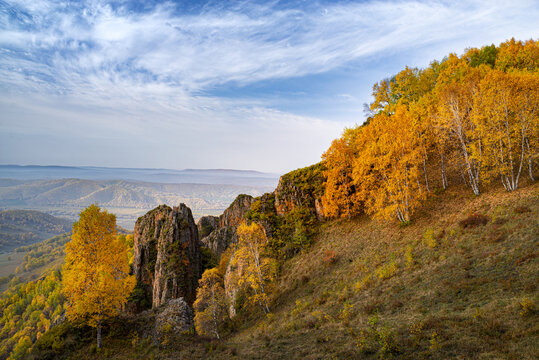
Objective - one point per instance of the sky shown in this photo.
(260, 85)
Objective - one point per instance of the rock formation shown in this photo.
(219, 240)
(175, 316)
(235, 213)
(224, 233)
(206, 225)
(167, 256)
(300, 188)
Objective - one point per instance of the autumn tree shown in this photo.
(340, 197)
(96, 280)
(258, 269)
(477, 113)
(460, 83)
(210, 305)
(388, 168)
(506, 114)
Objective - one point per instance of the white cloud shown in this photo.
(94, 68)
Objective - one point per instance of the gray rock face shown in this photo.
(174, 316)
(219, 240)
(167, 254)
(234, 214)
(224, 233)
(206, 225)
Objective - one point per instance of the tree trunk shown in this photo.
(530, 162)
(99, 334)
(444, 178)
(214, 308)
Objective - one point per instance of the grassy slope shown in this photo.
(459, 297)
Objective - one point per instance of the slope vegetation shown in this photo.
(23, 227)
(459, 282)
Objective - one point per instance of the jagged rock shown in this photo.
(300, 188)
(219, 240)
(167, 257)
(234, 214)
(206, 225)
(224, 233)
(175, 316)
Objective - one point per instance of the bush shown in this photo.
(363, 283)
(330, 257)
(429, 239)
(473, 220)
(386, 271)
(409, 256)
(527, 307)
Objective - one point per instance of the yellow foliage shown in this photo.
(388, 270)
(258, 269)
(340, 197)
(210, 304)
(96, 280)
(387, 171)
(476, 114)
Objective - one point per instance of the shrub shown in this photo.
(386, 340)
(409, 256)
(363, 283)
(416, 332)
(527, 307)
(386, 271)
(347, 312)
(429, 238)
(473, 220)
(434, 341)
(330, 257)
(300, 307)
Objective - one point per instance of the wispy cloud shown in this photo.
(110, 66)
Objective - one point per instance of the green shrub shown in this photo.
(388, 270)
(429, 238)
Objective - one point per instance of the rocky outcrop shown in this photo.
(167, 257)
(174, 317)
(235, 213)
(224, 234)
(302, 188)
(206, 225)
(219, 240)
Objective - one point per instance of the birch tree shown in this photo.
(258, 269)
(210, 305)
(96, 280)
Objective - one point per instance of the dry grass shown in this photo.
(391, 294)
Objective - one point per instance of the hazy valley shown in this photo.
(204, 191)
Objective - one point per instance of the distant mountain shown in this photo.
(127, 199)
(189, 176)
(24, 227)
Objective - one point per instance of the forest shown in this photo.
(469, 118)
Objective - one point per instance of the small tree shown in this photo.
(210, 305)
(258, 271)
(96, 280)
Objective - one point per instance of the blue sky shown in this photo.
(215, 84)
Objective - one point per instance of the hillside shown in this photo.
(127, 199)
(445, 286)
(416, 236)
(23, 227)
